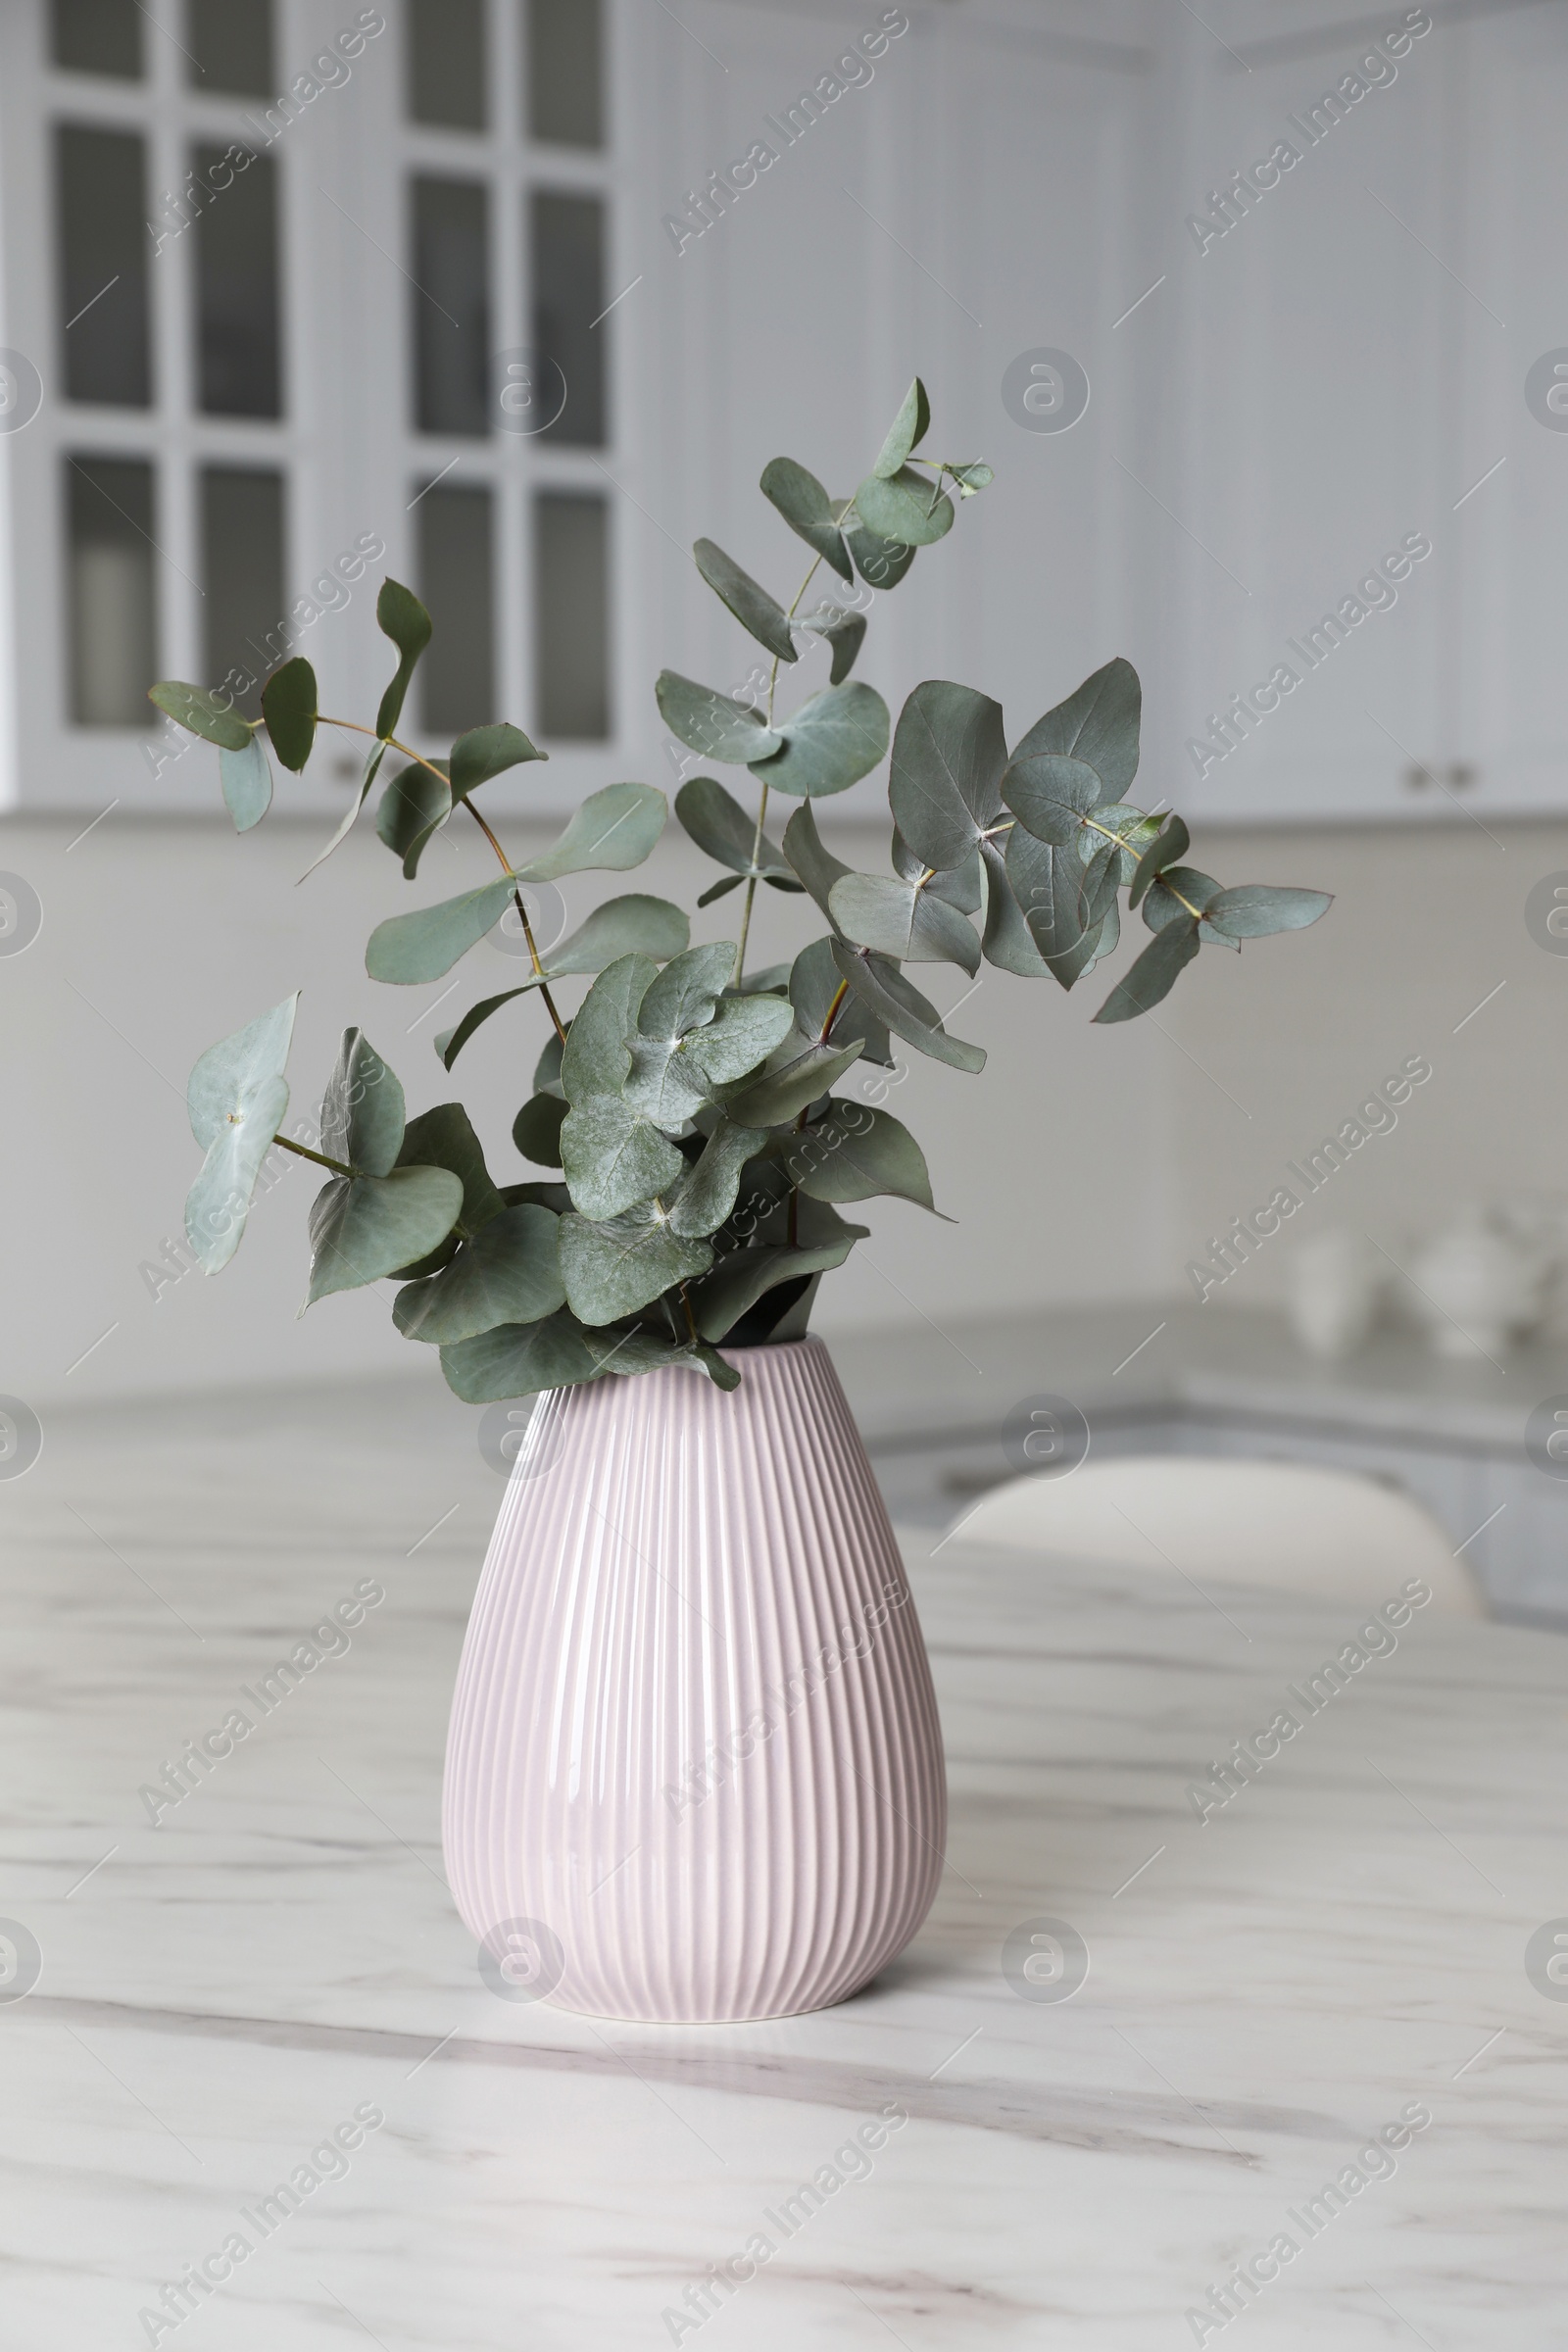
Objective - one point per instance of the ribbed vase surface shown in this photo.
(694, 1767)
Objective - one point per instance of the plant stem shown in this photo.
(391, 742)
(305, 1152)
(761, 805)
(522, 917)
(832, 1015)
(430, 766)
(691, 1319)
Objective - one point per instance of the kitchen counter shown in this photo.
(964, 1375)
(1342, 1943)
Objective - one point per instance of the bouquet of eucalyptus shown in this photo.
(697, 1158)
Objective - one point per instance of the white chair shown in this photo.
(1331, 1534)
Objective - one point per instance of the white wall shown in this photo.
(1425, 924)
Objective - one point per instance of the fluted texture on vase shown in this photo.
(694, 1739)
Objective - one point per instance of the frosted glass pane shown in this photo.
(100, 183)
(565, 72)
(451, 307)
(230, 45)
(241, 366)
(567, 242)
(96, 36)
(445, 63)
(242, 572)
(456, 585)
(114, 649)
(571, 608)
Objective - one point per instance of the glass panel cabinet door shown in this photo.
(270, 284)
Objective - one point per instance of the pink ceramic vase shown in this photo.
(694, 1767)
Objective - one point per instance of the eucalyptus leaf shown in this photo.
(804, 1071)
(881, 563)
(829, 743)
(844, 634)
(945, 777)
(762, 614)
(882, 986)
(715, 724)
(906, 508)
(817, 866)
(518, 1359)
(1117, 821)
(1097, 725)
(1180, 893)
(444, 1138)
(400, 615)
(486, 752)
(1169, 847)
(1255, 910)
(346, 825)
(615, 1157)
(805, 506)
(362, 1110)
(246, 777)
(721, 826)
(365, 1227)
(547, 1069)
(687, 1044)
(509, 1273)
(408, 948)
(971, 479)
(962, 886)
(218, 1201)
(536, 1130)
(1008, 941)
(902, 920)
(706, 1194)
(412, 808)
(856, 1152)
(614, 830)
(289, 708)
(215, 1091)
(1047, 880)
(819, 995)
(202, 713)
(596, 1055)
(1154, 975)
(907, 432)
(411, 948)
(617, 1265)
(1050, 794)
(737, 1281)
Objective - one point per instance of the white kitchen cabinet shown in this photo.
(1354, 353)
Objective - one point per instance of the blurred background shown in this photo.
(1259, 318)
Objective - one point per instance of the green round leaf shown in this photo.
(290, 707)
(536, 1130)
(201, 714)
(762, 614)
(909, 509)
(807, 509)
(829, 743)
(509, 1273)
(247, 780)
(365, 1227)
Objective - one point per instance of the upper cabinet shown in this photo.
(1364, 457)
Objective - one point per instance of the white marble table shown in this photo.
(1344, 1939)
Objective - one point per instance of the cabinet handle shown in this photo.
(1458, 776)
